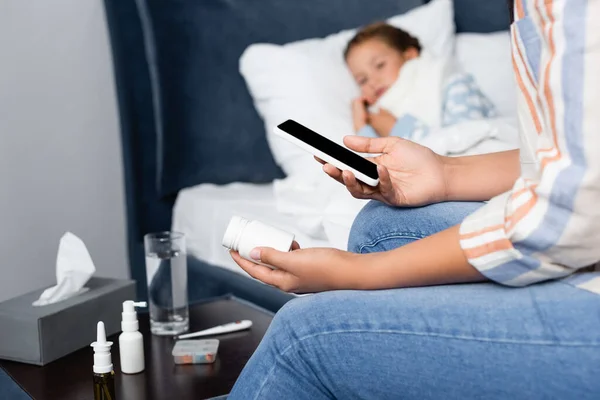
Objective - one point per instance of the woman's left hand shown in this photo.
(382, 121)
(306, 270)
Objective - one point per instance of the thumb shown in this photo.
(363, 144)
(270, 256)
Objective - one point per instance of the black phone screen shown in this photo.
(330, 148)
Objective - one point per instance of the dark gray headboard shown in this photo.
(481, 16)
(186, 115)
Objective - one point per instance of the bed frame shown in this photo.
(184, 108)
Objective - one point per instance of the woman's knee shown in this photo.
(363, 224)
(297, 312)
(313, 315)
(295, 320)
(379, 227)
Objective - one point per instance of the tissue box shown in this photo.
(39, 335)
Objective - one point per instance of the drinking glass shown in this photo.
(166, 272)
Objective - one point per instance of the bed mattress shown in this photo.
(202, 213)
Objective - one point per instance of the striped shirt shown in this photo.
(548, 225)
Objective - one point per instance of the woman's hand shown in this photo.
(382, 121)
(359, 113)
(306, 271)
(409, 174)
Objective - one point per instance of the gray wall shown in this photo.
(60, 156)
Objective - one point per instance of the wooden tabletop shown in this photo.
(70, 378)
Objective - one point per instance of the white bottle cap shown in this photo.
(233, 232)
(129, 321)
(102, 358)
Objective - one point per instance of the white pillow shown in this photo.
(488, 58)
(308, 80)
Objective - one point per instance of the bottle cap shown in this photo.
(102, 357)
(129, 321)
(232, 232)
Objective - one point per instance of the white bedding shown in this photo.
(202, 212)
(320, 211)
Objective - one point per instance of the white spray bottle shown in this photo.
(131, 341)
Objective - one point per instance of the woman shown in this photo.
(540, 232)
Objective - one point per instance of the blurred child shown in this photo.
(404, 90)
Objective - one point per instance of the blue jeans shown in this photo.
(468, 341)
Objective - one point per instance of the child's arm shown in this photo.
(384, 124)
(382, 121)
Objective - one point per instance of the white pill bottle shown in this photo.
(243, 235)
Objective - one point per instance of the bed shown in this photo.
(194, 146)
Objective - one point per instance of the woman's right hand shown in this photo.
(409, 174)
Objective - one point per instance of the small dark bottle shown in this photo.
(104, 376)
(104, 386)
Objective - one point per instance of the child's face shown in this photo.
(375, 66)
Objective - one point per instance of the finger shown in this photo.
(262, 273)
(295, 245)
(383, 111)
(255, 270)
(385, 183)
(333, 172)
(355, 188)
(370, 145)
(319, 160)
(281, 260)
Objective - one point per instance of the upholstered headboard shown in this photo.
(186, 115)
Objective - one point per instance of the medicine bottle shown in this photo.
(243, 235)
(131, 341)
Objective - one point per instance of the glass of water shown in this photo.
(166, 272)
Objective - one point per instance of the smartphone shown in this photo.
(328, 151)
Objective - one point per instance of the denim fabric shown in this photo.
(465, 341)
(379, 227)
(9, 389)
(477, 341)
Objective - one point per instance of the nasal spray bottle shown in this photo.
(131, 341)
(104, 376)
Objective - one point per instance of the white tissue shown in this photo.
(74, 267)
